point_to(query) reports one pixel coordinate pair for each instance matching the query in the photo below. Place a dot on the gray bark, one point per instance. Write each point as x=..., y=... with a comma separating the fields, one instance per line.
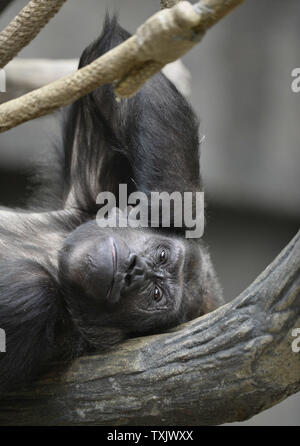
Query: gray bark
x=226, y=366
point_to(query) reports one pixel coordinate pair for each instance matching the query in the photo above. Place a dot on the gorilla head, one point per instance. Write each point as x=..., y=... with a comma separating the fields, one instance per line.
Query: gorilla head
x=132, y=280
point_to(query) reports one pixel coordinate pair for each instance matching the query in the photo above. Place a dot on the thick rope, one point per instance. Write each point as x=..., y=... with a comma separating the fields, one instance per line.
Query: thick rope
x=210, y=12
x=25, y=27
x=163, y=38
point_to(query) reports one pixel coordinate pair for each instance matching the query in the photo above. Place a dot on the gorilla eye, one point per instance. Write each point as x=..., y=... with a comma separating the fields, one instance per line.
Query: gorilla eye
x=157, y=294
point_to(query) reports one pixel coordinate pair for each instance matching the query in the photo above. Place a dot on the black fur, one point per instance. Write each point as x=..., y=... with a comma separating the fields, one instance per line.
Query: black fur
x=68, y=286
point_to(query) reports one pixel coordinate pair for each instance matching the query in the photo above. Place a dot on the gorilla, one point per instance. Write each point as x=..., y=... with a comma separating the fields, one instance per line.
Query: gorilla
x=69, y=286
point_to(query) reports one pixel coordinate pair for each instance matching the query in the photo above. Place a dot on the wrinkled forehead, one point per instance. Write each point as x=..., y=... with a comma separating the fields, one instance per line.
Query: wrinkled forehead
x=138, y=238
x=145, y=237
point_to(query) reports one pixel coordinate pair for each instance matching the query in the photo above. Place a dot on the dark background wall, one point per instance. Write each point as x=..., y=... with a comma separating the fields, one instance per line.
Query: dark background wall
x=241, y=89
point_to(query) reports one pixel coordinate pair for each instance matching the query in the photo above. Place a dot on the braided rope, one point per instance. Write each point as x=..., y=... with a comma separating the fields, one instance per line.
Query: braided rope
x=131, y=83
x=25, y=27
x=210, y=12
x=163, y=38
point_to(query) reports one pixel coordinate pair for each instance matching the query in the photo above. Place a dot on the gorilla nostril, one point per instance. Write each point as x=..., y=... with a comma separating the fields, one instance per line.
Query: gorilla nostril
x=128, y=280
x=135, y=271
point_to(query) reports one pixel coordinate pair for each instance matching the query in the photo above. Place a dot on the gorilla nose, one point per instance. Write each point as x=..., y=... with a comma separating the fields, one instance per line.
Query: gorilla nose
x=136, y=271
x=130, y=272
x=135, y=265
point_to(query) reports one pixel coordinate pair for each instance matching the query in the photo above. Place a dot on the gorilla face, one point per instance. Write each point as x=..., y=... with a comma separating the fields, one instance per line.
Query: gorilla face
x=133, y=279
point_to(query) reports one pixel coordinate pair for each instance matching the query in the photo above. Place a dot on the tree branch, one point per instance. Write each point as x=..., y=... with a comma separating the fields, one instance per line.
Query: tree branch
x=163, y=38
x=25, y=27
x=226, y=366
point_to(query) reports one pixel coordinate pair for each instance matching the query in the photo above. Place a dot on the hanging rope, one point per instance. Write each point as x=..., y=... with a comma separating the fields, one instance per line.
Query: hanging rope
x=163, y=38
x=25, y=27
x=210, y=12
